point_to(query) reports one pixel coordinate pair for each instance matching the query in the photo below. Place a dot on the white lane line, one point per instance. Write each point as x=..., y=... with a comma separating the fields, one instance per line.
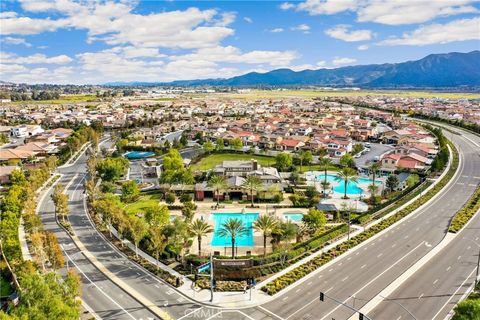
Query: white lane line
x=379, y=255
x=459, y=257
x=243, y=314
x=436, y=280
x=303, y=307
x=449, y=267
x=394, y=245
x=309, y=283
x=453, y=295
x=270, y=312
x=363, y=266
x=343, y=280
x=320, y=276
x=187, y=314
x=298, y=290
x=420, y=296
x=100, y=289
x=215, y=314
x=285, y=298
x=373, y=280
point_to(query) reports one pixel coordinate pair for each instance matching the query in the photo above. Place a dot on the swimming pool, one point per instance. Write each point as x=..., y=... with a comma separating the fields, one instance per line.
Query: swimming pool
x=292, y=216
x=138, y=154
x=245, y=240
x=352, y=187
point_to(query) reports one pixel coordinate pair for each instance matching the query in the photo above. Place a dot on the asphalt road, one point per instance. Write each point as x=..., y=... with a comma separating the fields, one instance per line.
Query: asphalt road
x=362, y=273
x=367, y=271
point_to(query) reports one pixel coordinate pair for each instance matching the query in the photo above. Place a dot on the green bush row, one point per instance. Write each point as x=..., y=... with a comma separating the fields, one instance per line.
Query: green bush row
x=466, y=213
x=310, y=266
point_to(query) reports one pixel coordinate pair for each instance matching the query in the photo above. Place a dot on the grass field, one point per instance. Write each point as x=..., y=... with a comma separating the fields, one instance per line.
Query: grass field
x=144, y=202
x=209, y=162
x=74, y=98
x=278, y=94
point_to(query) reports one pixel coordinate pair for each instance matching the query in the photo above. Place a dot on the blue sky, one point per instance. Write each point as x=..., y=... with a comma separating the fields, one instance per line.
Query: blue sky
x=70, y=41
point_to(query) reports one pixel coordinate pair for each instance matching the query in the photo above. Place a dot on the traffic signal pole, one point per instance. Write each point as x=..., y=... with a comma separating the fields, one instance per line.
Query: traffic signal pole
x=361, y=316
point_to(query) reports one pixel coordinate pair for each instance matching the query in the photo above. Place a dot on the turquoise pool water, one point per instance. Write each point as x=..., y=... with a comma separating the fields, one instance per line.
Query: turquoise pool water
x=245, y=240
x=352, y=187
x=293, y=217
x=138, y=154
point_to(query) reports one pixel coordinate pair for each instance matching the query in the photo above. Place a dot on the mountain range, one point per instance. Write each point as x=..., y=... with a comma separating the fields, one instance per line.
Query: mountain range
x=448, y=70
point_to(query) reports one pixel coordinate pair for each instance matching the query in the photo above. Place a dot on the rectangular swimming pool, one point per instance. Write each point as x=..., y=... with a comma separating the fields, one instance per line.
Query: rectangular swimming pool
x=245, y=240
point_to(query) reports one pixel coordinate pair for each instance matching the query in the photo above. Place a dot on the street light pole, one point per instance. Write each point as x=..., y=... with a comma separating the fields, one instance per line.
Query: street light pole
x=211, y=277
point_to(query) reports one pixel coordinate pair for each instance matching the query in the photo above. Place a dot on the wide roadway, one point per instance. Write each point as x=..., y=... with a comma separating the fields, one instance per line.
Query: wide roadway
x=361, y=274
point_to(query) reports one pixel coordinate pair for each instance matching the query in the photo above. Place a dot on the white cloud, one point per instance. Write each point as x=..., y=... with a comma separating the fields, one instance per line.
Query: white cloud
x=287, y=6
x=409, y=12
x=316, y=7
x=276, y=30
x=343, y=61
x=305, y=28
x=232, y=54
x=16, y=41
x=321, y=63
x=342, y=32
x=363, y=47
x=390, y=12
x=248, y=19
x=34, y=59
x=12, y=68
x=457, y=30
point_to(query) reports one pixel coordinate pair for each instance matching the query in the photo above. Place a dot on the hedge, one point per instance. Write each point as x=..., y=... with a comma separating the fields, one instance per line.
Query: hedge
x=308, y=267
x=466, y=212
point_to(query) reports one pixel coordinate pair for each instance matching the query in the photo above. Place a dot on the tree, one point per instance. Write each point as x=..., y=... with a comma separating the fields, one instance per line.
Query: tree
x=157, y=242
x=92, y=167
x=60, y=200
x=325, y=163
x=218, y=183
x=53, y=250
x=157, y=215
x=467, y=310
x=347, y=161
x=3, y=138
x=111, y=169
x=17, y=177
x=314, y=219
x=252, y=183
x=208, y=146
x=413, y=179
x=392, y=182
x=232, y=228
x=51, y=163
x=284, y=231
x=38, y=244
x=220, y=145
x=185, y=198
x=174, y=171
x=346, y=175
x=188, y=210
x=357, y=148
x=283, y=161
x=373, y=169
x=170, y=198
x=199, y=229
x=121, y=144
x=138, y=229
x=305, y=157
x=236, y=143
x=266, y=225
x=130, y=191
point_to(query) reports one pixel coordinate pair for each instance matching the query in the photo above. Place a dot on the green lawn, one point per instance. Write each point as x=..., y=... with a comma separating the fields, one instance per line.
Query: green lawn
x=209, y=162
x=144, y=202
x=73, y=98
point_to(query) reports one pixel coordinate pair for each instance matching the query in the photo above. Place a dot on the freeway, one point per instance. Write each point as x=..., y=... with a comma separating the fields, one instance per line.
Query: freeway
x=355, y=277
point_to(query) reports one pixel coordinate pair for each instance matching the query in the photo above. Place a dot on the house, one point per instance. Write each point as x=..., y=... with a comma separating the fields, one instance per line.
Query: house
x=290, y=145
x=5, y=172
x=26, y=130
x=15, y=155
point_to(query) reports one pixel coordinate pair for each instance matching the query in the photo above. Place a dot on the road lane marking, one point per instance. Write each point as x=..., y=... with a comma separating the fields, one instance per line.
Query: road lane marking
x=285, y=298
x=420, y=296
x=374, y=279
x=270, y=312
x=303, y=307
x=363, y=266
x=189, y=313
x=449, y=267
x=436, y=280
x=100, y=289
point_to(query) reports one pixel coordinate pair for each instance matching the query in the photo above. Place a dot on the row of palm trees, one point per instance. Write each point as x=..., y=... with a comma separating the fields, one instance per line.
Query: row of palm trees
x=219, y=183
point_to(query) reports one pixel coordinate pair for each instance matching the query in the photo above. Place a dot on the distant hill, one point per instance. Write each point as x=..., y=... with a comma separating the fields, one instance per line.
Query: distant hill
x=449, y=70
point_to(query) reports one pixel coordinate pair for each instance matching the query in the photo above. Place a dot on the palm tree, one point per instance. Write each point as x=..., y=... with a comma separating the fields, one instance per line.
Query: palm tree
x=373, y=169
x=266, y=225
x=325, y=163
x=252, y=183
x=346, y=175
x=200, y=228
x=217, y=183
x=158, y=242
x=232, y=228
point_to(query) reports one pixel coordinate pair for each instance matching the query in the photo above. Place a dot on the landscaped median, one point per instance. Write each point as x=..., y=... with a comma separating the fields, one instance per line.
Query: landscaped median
x=296, y=274
x=466, y=213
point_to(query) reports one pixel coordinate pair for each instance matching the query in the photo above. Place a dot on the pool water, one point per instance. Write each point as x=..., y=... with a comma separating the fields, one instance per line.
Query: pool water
x=296, y=217
x=245, y=240
x=352, y=187
x=139, y=154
